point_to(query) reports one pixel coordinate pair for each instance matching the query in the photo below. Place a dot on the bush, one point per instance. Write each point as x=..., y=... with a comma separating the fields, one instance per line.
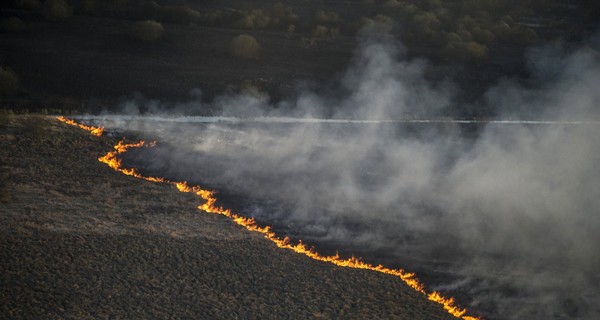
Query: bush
x=56, y=10
x=379, y=22
x=466, y=51
x=211, y=17
x=114, y=8
x=327, y=17
x=12, y=24
x=29, y=4
x=180, y=15
x=476, y=51
x=524, y=36
x=9, y=82
x=244, y=46
x=320, y=32
x=254, y=19
x=283, y=14
x=290, y=30
x=148, y=30
x=88, y=6
x=483, y=35
x=249, y=88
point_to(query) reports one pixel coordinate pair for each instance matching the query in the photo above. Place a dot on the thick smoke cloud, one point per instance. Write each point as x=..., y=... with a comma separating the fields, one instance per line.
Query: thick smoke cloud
x=509, y=214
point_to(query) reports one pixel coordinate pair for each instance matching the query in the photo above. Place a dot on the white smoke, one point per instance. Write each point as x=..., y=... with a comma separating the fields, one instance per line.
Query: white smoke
x=510, y=211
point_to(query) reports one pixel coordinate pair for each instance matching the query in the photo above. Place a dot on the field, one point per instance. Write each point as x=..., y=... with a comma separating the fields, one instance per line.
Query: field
x=82, y=241
x=89, y=61
x=456, y=139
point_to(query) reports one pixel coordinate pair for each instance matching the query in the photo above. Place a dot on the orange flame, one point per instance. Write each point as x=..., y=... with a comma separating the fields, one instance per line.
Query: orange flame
x=111, y=159
x=97, y=131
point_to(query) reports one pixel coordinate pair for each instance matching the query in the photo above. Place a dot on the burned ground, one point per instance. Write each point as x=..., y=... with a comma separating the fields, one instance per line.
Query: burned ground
x=79, y=240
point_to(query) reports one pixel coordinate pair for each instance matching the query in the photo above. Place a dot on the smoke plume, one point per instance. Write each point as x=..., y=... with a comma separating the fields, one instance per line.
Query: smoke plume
x=505, y=215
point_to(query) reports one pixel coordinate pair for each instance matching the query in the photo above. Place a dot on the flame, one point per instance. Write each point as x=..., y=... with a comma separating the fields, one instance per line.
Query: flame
x=111, y=159
x=97, y=131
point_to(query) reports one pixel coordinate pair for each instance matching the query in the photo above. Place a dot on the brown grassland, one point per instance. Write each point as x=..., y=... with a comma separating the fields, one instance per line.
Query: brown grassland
x=79, y=240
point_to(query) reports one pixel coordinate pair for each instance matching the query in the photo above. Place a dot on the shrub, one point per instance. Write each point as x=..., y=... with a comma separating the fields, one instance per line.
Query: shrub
x=483, y=35
x=278, y=10
x=327, y=17
x=248, y=87
x=453, y=37
x=180, y=14
x=290, y=30
x=12, y=24
x=392, y=4
x=407, y=10
x=211, y=17
x=56, y=10
x=464, y=34
x=29, y=4
x=114, y=8
x=379, y=22
x=9, y=82
x=282, y=15
x=476, y=51
x=244, y=46
x=88, y=6
x=148, y=30
x=466, y=51
x=320, y=32
x=524, y=36
x=254, y=19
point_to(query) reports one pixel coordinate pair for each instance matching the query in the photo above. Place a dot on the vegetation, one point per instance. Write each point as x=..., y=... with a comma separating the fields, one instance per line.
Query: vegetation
x=82, y=241
x=56, y=10
x=478, y=24
x=147, y=30
x=28, y=4
x=9, y=82
x=477, y=34
x=244, y=46
x=464, y=29
x=12, y=24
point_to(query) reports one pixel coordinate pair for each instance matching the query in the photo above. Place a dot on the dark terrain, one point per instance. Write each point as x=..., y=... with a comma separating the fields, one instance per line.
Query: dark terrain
x=79, y=240
x=88, y=62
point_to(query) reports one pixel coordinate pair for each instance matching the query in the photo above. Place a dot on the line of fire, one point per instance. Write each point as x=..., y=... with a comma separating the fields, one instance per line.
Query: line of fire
x=112, y=160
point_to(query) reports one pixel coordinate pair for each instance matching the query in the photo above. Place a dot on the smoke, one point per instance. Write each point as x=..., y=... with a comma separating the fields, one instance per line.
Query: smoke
x=504, y=215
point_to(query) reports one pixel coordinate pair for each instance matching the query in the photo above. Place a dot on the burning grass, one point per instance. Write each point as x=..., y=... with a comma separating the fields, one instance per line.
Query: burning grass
x=112, y=160
x=79, y=240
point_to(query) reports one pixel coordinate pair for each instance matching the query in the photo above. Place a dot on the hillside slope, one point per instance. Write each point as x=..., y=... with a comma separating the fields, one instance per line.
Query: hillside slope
x=79, y=240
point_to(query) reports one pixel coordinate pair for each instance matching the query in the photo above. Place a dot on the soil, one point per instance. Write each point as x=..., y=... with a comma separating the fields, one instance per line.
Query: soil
x=79, y=240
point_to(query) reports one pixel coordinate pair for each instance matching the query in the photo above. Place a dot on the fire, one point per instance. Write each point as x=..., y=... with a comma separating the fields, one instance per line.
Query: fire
x=449, y=305
x=97, y=131
x=111, y=159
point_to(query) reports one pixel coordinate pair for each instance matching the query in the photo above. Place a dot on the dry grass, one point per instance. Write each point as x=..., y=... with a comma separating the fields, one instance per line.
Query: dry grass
x=79, y=240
